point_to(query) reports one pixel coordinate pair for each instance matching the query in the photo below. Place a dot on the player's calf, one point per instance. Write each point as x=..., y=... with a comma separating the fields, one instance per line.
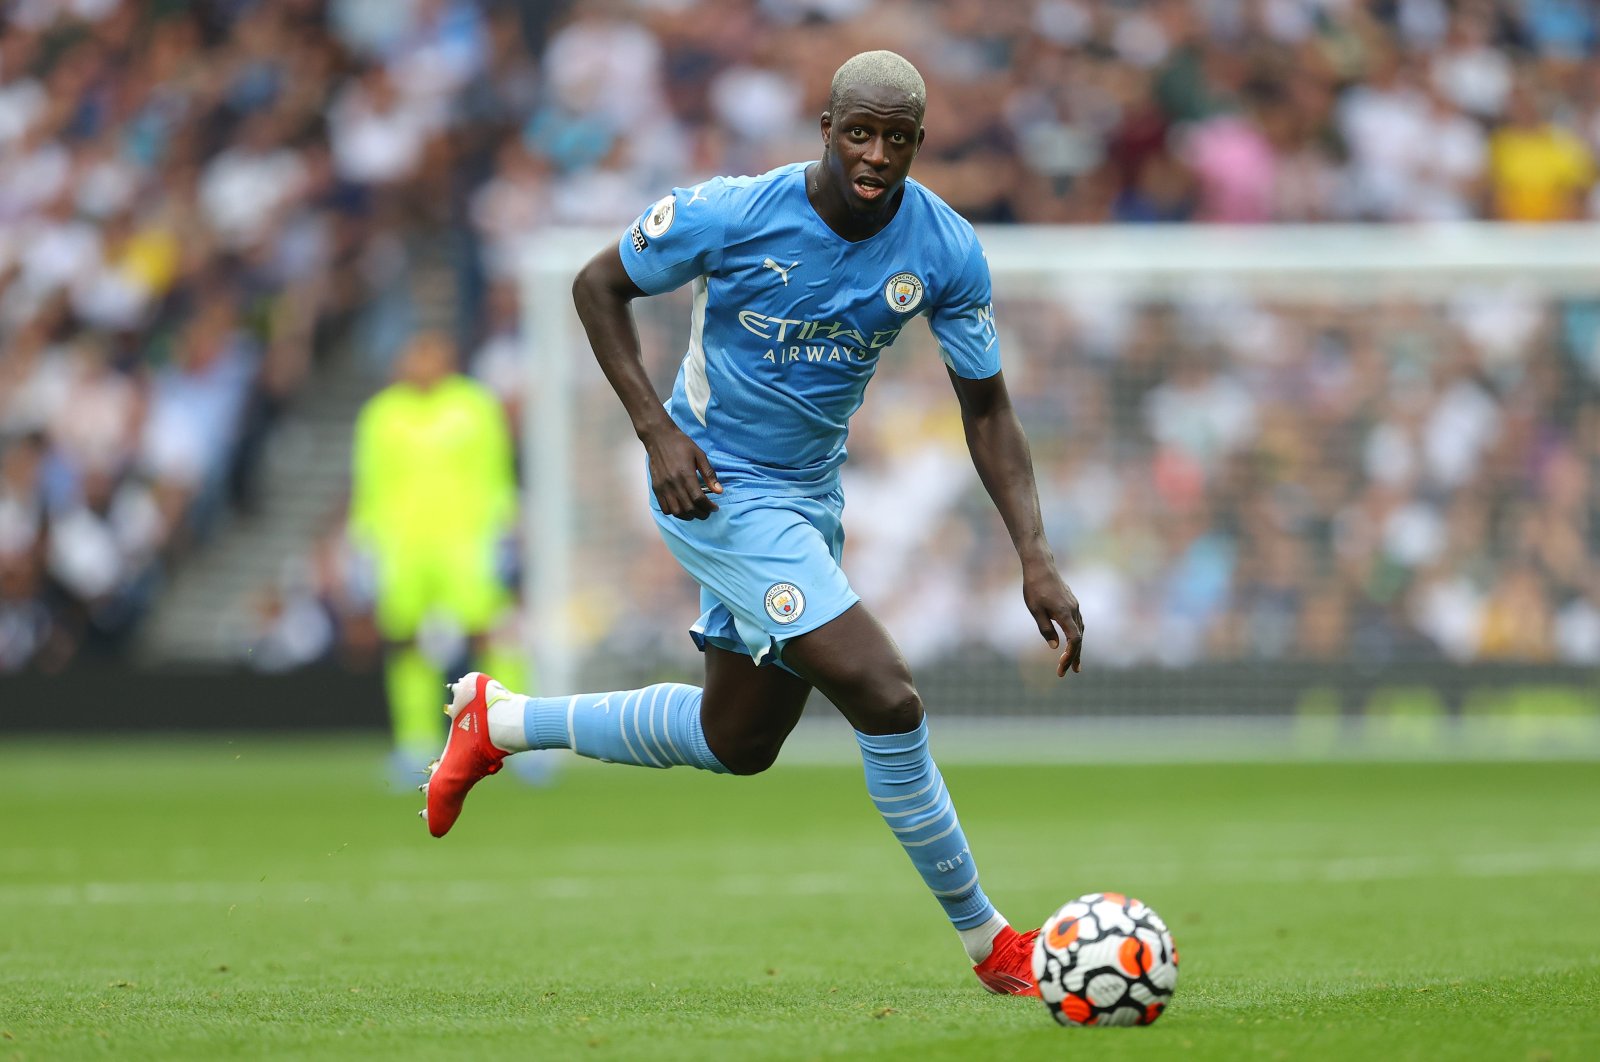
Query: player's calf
x=658, y=726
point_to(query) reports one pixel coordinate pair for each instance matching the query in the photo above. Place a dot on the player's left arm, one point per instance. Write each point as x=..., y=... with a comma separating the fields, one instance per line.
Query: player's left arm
x=962, y=319
x=1000, y=454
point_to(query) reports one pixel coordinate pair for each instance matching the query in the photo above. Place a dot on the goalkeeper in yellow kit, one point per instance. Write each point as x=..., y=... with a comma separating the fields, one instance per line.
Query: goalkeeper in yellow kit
x=428, y=441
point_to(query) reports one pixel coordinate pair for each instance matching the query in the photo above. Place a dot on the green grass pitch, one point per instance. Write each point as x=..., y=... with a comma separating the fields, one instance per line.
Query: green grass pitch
x=254, y=897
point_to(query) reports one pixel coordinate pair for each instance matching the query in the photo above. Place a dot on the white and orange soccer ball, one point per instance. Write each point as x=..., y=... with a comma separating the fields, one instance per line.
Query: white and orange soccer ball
x=1105, y=959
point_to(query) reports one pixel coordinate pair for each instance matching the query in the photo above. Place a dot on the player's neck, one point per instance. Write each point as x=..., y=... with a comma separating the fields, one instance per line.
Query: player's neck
x=829, y=203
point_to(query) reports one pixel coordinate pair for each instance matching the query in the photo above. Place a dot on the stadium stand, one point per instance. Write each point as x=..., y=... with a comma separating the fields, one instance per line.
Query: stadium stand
x=200, y=203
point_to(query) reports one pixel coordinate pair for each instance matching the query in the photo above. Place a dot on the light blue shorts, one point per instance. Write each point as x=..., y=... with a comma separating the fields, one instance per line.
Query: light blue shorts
x=768, y=569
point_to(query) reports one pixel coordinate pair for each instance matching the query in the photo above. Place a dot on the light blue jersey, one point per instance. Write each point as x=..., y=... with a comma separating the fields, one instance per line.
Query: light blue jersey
x=788, y=323
x=789, y=318
x=788, y=327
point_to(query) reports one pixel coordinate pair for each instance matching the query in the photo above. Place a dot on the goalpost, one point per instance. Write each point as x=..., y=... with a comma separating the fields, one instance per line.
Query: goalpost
x=1161, y=374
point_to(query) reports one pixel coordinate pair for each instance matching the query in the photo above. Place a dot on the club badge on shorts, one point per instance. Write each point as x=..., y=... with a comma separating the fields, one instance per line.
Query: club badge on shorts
x=903, y=292
x=785, y=602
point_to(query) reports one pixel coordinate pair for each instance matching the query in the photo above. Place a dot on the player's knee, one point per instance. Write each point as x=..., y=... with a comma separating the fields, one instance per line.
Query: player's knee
x=901, y=714
x=747, y=757
x=890, y=705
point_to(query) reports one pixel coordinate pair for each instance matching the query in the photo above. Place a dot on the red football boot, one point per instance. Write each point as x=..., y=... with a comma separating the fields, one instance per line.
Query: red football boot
x=468, y=756
x=1008, y=971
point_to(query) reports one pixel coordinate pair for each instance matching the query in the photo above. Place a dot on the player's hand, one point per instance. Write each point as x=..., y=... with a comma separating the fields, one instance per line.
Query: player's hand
x=1053, y=605
x=681, y=475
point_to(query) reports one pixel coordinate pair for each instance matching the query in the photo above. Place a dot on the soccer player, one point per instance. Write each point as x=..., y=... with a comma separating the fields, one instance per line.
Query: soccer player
x=801, y=277
x=431, y=436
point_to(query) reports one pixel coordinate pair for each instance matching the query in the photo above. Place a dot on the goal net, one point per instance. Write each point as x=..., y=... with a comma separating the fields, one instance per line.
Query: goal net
x=1306, y=473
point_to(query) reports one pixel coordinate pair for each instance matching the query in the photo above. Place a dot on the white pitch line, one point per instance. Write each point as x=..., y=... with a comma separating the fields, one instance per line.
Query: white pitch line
x=1507, y=864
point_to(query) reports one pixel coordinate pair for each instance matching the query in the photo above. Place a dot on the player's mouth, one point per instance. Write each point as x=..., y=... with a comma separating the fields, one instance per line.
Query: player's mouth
x=869, y=187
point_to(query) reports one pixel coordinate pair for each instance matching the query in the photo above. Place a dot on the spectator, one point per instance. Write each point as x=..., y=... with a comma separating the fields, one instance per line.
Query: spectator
x=195, y=200
x=378, y=134
x=1538, y=170
x=171, y=231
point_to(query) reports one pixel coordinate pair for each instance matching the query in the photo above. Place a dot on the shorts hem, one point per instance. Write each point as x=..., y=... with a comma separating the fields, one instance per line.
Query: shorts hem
x=806, y=628
x=772, y=652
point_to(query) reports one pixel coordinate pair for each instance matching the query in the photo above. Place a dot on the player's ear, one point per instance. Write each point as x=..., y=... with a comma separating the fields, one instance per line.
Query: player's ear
x=921, y=136
x=827, y=125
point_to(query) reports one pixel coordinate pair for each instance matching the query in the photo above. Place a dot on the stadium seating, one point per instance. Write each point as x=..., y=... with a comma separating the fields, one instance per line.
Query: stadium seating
x=198, y=202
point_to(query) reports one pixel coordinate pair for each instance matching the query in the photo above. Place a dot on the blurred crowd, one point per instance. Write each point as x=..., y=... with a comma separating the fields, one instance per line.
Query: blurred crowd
x=198, y=201
x=1224, y=478
x=1232, y=478
x=193, y=206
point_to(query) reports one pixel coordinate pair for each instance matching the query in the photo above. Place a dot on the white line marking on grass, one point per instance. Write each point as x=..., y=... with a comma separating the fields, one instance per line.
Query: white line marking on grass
x=1511, y=864
x=189, y=893
x=1347, y=870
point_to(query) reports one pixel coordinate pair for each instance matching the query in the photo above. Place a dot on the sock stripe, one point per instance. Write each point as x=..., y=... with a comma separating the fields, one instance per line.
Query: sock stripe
x=932, y=820
x=954, y=826
x=622, y=730
x=655, y=738
x=944, y=794
x=909, y=796
x=630, y=710
x=639, y=701
x=962, y=891
x=572, y=730
x=647, y=725
x=647, y=741
x=666, y=730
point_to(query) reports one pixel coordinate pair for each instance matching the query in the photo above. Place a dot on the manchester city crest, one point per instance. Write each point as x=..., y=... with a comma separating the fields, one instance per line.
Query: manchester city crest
x=903, y=292
x=785, y=602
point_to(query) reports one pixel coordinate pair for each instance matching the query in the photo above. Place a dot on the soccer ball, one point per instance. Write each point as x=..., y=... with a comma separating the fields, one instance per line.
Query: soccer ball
x=1105, y=959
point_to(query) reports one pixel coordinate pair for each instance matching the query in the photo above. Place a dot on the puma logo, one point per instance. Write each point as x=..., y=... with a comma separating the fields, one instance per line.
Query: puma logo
x=768, y=263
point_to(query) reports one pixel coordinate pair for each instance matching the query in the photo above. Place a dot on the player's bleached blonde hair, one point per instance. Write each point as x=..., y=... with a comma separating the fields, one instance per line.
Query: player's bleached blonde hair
x=879, y=69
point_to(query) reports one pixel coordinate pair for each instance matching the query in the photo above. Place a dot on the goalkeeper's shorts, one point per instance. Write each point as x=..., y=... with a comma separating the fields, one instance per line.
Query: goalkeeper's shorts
x=454, y=579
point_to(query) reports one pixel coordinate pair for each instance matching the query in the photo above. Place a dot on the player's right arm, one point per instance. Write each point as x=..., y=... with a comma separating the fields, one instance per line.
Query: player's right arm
x=680, y=473
x=680, y=237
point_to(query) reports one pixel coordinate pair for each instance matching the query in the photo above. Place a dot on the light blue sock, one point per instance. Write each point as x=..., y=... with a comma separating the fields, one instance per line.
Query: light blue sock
x=658, y=726
x=909, y=793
